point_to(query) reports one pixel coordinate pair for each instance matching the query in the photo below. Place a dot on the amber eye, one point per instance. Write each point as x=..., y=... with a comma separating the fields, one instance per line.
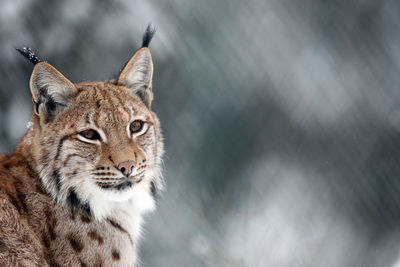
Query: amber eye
x=136, y=126
x=90, y=134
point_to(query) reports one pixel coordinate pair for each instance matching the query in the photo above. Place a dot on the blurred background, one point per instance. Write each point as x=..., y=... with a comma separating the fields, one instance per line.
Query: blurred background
x=281, y=120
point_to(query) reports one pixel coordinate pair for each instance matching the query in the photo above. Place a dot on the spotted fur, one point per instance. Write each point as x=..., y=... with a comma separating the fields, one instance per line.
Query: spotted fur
x=64, y=199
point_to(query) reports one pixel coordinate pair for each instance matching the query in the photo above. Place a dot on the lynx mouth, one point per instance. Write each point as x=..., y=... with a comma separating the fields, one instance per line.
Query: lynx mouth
x=124, y=185
x=120, y=184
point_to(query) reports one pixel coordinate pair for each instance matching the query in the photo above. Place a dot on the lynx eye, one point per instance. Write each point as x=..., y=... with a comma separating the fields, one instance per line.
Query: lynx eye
x=136, y=126
x=90, y=134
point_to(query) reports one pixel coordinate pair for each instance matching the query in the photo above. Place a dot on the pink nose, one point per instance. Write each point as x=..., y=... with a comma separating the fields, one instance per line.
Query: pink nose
x=126, y=167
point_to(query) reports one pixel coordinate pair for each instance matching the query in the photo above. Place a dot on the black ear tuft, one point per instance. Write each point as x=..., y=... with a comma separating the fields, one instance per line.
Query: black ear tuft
x=29, y=54
x=148, y=35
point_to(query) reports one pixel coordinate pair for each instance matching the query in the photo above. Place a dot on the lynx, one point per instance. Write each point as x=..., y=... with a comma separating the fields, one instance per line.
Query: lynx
x=88, y=168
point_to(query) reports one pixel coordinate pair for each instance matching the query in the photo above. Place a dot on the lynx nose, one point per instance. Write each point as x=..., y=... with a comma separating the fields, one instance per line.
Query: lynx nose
x=126, y=167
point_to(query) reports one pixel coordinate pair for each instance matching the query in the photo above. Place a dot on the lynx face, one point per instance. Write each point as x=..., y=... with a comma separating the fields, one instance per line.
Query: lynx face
x=97, y=145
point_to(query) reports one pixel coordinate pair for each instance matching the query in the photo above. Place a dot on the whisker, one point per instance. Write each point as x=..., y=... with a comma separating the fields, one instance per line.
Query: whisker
x=140, y=173
x=139, y=179
x=104, y=185
x=101, y=169
x=109, y=178
x=105, y=173
x=142, y=167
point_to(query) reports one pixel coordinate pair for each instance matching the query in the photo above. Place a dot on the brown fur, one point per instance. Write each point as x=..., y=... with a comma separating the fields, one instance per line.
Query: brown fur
x=48, y=213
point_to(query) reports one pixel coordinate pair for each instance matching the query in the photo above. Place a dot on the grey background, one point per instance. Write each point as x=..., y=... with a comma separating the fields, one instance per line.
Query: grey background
x=281, y=120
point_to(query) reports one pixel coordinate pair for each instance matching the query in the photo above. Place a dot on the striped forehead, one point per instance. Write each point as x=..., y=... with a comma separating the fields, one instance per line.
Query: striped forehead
x=111, y=106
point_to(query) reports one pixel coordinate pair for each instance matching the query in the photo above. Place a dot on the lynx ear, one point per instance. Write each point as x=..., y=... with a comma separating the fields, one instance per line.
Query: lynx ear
x=51, y=91
x=137, y=75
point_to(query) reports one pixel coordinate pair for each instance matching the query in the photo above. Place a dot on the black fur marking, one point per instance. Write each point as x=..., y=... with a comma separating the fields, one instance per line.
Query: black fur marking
x=3, y=246
x=52, y=222
x=88, y=118
x=153, y=189
x=148, y=35
x=29, y=54
x=115, y=255
x=116, y=225
x=86, y=210
x=37, y=105
x=76, y=204
x=95, y=236
x=50, y=104
x=16, y=203
x=75, y=243
x=85, y=219
x=46, y=240
x=40, y=188
x=73, y=199
x=60, y=144
x=119, y=227
x=20, y=195
x=57, y=178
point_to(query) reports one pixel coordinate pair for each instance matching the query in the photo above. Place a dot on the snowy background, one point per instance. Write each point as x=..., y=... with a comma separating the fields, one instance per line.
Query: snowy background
x=281, y=120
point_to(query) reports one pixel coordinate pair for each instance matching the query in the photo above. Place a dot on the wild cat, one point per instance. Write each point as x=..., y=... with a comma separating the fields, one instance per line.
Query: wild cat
x=88, y=168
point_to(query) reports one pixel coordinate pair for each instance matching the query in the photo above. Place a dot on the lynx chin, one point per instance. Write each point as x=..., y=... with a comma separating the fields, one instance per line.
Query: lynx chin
x=85, y=172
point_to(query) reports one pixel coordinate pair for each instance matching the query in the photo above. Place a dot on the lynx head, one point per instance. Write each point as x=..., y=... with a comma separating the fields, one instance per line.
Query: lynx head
x=97, y=145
